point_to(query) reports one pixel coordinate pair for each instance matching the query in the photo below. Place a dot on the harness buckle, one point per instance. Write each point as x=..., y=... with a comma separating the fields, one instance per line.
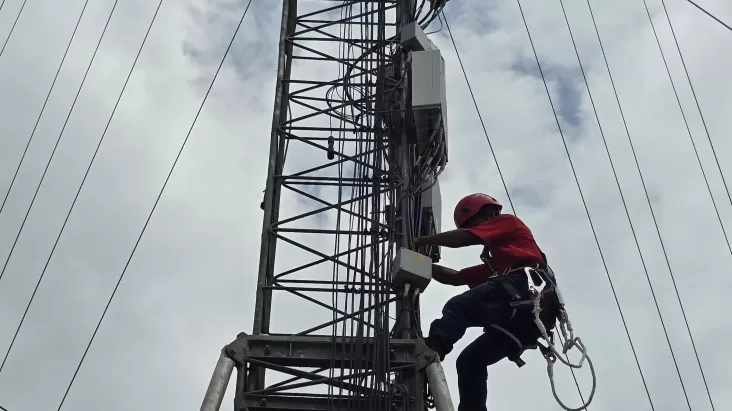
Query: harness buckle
x=535, y=289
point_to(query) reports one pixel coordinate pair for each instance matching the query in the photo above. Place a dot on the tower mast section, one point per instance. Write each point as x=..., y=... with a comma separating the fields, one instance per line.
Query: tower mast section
x=336, y=321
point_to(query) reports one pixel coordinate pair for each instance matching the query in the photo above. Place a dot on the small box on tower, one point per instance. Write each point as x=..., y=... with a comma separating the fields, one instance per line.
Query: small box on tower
x=411, y=268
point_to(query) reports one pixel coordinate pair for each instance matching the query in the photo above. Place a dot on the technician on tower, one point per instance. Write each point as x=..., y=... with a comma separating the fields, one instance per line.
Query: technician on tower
x=498, y=299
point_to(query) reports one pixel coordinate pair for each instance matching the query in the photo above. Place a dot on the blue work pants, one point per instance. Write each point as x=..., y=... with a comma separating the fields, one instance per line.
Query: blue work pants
x=483, y=306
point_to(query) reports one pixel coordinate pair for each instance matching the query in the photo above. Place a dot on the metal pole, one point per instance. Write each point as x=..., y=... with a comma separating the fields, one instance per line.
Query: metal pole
x=219, y=381
x=262, y=303
x=438, y=384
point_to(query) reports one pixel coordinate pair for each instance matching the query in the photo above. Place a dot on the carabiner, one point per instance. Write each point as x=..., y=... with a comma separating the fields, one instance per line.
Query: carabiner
x=535, y=289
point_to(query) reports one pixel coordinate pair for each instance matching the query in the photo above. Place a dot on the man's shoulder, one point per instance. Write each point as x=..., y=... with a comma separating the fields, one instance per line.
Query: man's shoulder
x=508, y=219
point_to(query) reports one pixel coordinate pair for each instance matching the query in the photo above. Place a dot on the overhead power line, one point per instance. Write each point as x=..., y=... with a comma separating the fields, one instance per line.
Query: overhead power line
x=622, y=196
x=58, y=237
x=696, y=100
x=711, y=15
x=688, y=128
x=38, y=120
x=683, y=312
x=480, y=117
x=617, y=98
x=58, y=140
x=157, y=200
x=584, y=202
x=12, y=29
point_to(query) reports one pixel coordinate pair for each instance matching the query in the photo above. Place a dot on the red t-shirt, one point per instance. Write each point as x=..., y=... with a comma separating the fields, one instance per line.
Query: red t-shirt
x=509, y=241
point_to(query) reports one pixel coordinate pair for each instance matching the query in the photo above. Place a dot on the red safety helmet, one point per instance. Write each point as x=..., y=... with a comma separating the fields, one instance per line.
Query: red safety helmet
x=470, y=206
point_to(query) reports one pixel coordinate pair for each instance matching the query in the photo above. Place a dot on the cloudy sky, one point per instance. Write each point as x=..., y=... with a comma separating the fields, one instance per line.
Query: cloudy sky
x=191, y=284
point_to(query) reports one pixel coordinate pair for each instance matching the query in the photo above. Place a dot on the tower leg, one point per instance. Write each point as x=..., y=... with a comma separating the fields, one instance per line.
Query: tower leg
x=438, y=384
x=219, y=381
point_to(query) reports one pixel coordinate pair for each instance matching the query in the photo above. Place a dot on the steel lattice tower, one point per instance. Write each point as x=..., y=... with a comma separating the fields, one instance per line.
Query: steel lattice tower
x=349, y=144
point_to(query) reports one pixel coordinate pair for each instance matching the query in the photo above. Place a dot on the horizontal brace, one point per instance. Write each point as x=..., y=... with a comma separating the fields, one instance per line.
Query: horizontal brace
x=367, y=180
x=323, y=83
x=344, y=290
x=326, y=99
x=339, y=60
x=344, y=139
x=356, y=77
x=324, y=231
x=341, y=207
x=345, y=41
x=322, y=255
x=316, y=111
x=344, y=4
x=324, y=305
x=307, y=375
x=348, y=283
x=339, y=39
x=335, y=184
x=324, y=380
x=355, y=17
x=304, y=128
x=372, y=307
x=331, y=352
x=341, y=160
x=357, y=23
x=332, y=258
x=328, y=57
x=353, y=77
x=293, y=379
x=354, y=158
x=309, y=403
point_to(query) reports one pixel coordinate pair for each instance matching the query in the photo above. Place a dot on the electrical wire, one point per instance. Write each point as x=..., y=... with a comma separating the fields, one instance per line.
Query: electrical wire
x=678, y=297
x=688, y=128
x=711, y=15
x=625, y=205
x=617, y=99
x=38, y=120
x=584, y=202
x=58, y=140
x=696, y=100
x=78, y=192
x=12, y=29
x=157, y=200
x=480, y=117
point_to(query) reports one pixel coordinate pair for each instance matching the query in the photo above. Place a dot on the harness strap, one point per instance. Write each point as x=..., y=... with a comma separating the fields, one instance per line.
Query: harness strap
x=516, y=296
x=518, y=300
x=522, y=347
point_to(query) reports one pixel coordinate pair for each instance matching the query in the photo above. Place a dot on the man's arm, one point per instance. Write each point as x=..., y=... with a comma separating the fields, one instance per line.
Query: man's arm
x=445, y=275
x=451, y=239
x=470, y=276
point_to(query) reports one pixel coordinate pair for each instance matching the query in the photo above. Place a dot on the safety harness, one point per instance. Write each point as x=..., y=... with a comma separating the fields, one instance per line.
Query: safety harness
x=550, y=353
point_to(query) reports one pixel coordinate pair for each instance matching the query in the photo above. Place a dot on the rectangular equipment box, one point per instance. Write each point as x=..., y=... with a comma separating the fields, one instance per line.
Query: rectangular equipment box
x=411, y=268
x=429, y=98
x=413, y=38
x=428, y=81
x=432, y=203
